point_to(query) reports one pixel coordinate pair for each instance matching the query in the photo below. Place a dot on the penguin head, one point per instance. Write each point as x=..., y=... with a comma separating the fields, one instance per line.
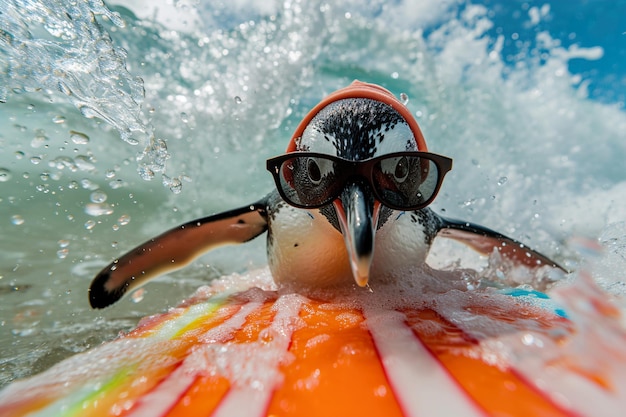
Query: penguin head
x=358, y=116
x=362, y=122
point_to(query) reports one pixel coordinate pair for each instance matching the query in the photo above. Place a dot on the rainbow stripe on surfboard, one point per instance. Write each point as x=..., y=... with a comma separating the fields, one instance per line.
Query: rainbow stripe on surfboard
x=238, y=350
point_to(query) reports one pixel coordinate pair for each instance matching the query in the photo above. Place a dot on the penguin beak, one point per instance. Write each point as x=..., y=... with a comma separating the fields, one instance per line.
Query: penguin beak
x=357, y=212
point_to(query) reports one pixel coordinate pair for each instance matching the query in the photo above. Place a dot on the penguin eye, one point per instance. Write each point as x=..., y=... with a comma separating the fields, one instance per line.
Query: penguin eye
x=319, y=170
x=313, y=170
x=402, y=169
x=399, y=167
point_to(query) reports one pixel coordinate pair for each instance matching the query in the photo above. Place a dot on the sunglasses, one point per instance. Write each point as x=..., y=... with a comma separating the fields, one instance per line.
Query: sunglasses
x=401, y=181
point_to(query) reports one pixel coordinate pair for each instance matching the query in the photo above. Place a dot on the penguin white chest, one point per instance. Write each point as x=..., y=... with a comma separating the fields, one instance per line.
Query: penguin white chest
x=402, y=242
x=304, y=248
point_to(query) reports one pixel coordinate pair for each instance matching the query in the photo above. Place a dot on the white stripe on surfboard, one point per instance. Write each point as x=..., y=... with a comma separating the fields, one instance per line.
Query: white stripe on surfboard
x=251, y=398
x=160, y=400
x=421, y=384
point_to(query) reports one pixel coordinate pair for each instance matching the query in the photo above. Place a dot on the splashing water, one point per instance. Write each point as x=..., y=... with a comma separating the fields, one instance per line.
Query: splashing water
x=51, y=47
x=206, y=93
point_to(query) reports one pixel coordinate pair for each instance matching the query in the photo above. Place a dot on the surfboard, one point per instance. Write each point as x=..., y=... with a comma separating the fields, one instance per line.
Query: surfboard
x=426, y=346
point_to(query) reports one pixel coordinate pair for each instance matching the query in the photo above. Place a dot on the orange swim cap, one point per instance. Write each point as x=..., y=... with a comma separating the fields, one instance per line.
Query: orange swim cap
x=360, y=89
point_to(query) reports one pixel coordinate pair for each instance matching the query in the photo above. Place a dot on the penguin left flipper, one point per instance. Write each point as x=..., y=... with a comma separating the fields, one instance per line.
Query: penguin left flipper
x=174, y=249
x=485, y=240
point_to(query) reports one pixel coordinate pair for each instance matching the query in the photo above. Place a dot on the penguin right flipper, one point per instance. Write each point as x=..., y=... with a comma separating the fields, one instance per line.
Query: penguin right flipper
x=485, y=240
x=174, y=249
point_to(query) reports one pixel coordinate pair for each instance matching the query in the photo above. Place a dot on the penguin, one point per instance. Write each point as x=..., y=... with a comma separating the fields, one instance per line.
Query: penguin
x=351, y=204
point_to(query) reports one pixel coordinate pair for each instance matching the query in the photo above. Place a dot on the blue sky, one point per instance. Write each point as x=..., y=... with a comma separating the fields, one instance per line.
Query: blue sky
x=587, y=23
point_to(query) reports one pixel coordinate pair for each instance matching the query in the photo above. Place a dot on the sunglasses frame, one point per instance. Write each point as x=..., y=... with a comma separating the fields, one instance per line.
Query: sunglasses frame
x=364, y=169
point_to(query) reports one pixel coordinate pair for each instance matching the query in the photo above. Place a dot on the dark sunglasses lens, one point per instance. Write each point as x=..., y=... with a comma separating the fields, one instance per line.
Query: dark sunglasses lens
x=406, y=181
x=309, y=181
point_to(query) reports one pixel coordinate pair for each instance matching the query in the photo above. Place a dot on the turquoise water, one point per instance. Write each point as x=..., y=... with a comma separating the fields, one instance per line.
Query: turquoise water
x=119, y=122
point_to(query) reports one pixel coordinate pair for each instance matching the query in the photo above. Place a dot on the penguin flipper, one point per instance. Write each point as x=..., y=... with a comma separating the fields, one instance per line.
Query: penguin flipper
x=485, y=240
x=174, y=249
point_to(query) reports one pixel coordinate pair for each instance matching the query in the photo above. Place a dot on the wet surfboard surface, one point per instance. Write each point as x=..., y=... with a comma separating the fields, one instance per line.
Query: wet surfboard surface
x=241, y=347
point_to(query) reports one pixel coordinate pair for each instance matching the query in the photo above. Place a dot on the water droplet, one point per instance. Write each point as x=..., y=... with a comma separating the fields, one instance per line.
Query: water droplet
x=109, y=174
x=63, y=162
x=176, y=187
x=62, y=253
x=124, y=219
x=84, y=163
x=145, y=173
x=90, y=224
x=175, y=184
x=79, y=138
x=404, y=98
x=184, y=117
x=5, y=175
x=238, y=100
x=502, y=180
x=58, y=119
x=35, y=160
x=39, y=140
x=530, y=340
x=73, y=185
x=63, y=243
x=19, y=155
x=266, y=335
x=395, y=75
x=17, y=220
x=115, y=184
x=98, y=209
x=137, y=296
x=88, y=184
x=98, y=197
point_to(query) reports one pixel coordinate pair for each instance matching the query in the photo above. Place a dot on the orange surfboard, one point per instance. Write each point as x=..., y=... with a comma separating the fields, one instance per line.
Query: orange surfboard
x=426, y=347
